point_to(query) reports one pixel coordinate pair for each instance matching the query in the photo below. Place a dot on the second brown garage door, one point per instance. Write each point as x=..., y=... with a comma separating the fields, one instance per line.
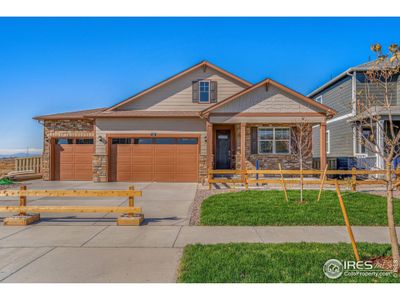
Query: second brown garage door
x=154, y=159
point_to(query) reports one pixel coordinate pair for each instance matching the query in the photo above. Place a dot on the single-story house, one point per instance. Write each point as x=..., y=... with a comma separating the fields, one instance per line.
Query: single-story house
x=204, y=117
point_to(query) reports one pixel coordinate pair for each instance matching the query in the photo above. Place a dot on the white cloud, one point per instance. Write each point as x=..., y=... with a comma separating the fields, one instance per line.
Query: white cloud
x=22, y=150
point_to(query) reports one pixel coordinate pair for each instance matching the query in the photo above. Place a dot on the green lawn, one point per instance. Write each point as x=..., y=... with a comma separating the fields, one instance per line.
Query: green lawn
x=271, y=208
x=258, y=263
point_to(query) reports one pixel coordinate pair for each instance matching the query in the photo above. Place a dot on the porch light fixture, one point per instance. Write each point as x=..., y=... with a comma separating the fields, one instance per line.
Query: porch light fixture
x=101, y=139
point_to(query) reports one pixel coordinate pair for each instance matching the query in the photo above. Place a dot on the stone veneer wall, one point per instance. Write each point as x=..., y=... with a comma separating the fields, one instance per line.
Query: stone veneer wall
x=271, y=161
x=62, y=129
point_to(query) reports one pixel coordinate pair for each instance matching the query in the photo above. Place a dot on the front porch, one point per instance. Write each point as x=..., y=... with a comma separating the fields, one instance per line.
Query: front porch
x=248, y=146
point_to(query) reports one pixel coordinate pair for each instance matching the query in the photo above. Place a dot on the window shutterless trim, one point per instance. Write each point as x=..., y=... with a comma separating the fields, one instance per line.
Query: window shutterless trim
x=289, y=140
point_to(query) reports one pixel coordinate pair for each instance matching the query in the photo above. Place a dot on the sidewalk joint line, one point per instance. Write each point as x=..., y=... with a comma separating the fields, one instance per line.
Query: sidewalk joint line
x=176, y=238
x=27, y=264
x=96, y=234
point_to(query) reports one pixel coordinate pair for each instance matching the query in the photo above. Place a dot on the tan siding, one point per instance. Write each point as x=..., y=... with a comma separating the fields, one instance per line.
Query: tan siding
x=265, y=119
x=177, y=95
x=272, y=101
x=149, y=125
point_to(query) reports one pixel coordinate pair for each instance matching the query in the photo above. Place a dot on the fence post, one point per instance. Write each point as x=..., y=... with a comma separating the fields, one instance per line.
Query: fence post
x=22, y=200
x=131, y=199
x=246, y=180
x=353, y=180
x=397, y=177
x=209, y=179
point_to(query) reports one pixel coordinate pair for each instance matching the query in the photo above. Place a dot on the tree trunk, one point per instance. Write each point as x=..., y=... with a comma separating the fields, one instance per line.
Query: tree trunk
x=301, y=181
x=390, y=216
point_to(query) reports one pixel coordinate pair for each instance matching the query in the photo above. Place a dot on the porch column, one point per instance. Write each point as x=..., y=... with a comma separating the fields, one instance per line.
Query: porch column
x=210, y=154
x=322, y=145
x=243, y=146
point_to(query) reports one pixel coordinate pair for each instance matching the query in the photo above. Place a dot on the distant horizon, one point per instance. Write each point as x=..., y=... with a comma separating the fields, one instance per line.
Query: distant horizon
x=14, y=151
x=55, y=65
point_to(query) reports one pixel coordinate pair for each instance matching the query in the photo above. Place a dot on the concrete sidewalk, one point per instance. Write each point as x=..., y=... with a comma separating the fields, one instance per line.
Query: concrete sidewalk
x=136, y=254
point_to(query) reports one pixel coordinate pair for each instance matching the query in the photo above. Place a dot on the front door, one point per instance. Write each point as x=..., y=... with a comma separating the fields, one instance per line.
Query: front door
x=223, y=149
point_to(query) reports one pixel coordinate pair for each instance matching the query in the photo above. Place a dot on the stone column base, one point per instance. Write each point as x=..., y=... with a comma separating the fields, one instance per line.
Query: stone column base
x=100, y=168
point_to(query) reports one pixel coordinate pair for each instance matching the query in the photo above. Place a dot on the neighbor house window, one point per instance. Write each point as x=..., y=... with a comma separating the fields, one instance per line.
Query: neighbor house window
x=204, y=91
x=273, y=140
x=366, y=135
x=319, y=99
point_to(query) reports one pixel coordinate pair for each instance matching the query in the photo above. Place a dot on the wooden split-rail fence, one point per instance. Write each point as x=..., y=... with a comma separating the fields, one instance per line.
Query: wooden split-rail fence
x=23, y=208
x=316, y=177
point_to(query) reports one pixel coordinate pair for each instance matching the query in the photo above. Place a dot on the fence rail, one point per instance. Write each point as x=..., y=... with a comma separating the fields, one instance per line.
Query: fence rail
x=22, y=209
x=33, y=163
x=246, y=177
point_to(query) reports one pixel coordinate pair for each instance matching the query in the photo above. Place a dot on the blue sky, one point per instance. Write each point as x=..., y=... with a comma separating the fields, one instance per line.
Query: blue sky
x=50, y=65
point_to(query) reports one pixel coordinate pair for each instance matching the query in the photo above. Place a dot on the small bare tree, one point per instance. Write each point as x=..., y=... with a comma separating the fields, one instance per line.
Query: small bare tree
x=302, y=148
x=375, y=126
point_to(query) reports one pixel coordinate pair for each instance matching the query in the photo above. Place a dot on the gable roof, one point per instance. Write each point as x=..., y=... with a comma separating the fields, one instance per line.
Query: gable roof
x=170, y=79
x=359, y=68
x=329, y=111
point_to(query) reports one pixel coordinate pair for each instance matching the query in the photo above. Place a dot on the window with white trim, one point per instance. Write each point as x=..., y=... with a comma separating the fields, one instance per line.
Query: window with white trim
x=328, y=141
x=319, y=99
x=204, y=91
x=361, y=140
x=273, y=140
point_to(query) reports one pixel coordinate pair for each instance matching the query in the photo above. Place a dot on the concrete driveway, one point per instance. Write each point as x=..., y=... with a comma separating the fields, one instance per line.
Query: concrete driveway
x=90, y=247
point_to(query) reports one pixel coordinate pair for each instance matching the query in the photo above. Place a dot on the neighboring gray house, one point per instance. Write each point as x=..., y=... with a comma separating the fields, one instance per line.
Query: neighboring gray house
x=343, y=147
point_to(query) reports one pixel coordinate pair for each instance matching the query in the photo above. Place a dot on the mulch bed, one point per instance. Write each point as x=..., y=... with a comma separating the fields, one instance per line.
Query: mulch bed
x=383, y=262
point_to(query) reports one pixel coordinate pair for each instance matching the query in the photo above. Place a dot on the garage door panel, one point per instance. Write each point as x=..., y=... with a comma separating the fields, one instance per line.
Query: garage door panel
x=141, y=177
x=164, y=177
x=187, y=149
x=83, y=159
x=164, y=168
x=83, y=149
x=124, y=168
x=142, y=149
x=142, y=168
x=124, y=149
x=142, y=160
x=67, y=175
x=122, y=176
x=186, y=168
x=66, y=158
x=155, y=162
x=185, y=177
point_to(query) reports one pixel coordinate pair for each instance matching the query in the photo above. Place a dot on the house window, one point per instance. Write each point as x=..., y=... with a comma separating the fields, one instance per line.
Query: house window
x=366, y=135
x=328, y=141
x=319, y=99
x=273, y=140
x=204, y=91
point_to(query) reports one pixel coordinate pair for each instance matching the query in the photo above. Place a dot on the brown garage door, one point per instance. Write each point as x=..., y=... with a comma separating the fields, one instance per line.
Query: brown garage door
x=73, y=159
x=154, y=159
